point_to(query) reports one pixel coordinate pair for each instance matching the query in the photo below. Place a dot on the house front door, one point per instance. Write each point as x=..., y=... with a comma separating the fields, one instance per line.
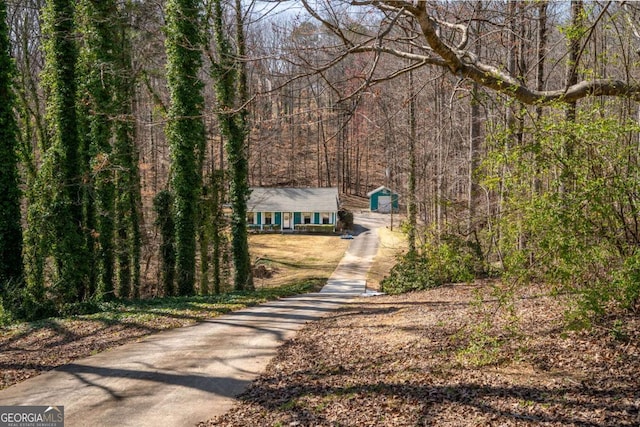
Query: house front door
x=286, y=220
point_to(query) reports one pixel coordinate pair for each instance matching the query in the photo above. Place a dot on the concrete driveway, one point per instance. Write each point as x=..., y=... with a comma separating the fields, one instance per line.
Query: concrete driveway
x=183, y=376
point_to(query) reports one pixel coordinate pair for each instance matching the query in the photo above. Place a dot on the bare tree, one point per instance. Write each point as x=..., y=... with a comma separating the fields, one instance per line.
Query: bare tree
x=445, y=44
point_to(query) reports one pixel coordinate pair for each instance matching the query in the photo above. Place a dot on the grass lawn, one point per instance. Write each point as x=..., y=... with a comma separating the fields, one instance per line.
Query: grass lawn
x=290, y=258
x=391, y=243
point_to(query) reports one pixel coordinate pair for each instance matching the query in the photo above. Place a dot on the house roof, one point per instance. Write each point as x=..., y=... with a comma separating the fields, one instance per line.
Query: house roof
x=293, y=200
x=377, y=190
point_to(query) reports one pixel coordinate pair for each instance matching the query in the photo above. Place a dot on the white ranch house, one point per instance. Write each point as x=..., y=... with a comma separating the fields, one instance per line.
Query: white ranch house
x=291, y=209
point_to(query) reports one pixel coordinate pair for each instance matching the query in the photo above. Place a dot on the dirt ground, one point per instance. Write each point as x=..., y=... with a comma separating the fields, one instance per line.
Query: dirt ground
x=441, y=358
x=437, y=357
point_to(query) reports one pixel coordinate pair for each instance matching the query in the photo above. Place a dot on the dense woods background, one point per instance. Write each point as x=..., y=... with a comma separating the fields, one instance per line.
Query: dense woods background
x=510, y=129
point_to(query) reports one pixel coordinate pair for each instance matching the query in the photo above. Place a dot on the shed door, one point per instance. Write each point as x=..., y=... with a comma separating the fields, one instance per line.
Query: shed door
x=384, y=204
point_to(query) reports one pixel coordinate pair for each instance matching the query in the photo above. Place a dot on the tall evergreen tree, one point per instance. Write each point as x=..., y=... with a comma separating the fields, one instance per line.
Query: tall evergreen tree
x=10, y=229
x=185, y=130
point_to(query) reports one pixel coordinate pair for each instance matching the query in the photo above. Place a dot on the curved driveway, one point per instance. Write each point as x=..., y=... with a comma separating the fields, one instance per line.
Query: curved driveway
x=183, y=376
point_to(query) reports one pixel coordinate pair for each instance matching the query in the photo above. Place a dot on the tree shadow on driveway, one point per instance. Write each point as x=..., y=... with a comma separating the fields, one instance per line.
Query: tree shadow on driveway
x=228, y=387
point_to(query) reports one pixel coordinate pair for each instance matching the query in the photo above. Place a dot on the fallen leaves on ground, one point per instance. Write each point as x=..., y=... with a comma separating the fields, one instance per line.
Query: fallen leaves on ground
x=453, y=356
x=30, y=349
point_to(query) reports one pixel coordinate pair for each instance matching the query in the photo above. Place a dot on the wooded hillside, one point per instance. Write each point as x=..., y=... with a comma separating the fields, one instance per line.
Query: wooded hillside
x=510, y=129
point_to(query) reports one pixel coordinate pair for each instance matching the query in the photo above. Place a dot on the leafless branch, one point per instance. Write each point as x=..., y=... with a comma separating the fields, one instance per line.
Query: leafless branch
x=467, y=65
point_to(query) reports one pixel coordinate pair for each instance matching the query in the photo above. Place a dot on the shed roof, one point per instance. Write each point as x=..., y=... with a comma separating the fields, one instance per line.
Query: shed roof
x=377, y=190
x=293, y=200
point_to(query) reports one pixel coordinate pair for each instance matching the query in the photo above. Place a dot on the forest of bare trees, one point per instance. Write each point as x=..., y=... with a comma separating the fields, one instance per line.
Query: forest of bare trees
x=510, y=129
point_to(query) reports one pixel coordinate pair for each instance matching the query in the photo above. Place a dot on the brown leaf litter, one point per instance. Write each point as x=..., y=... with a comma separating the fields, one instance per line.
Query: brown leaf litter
x=439, y=357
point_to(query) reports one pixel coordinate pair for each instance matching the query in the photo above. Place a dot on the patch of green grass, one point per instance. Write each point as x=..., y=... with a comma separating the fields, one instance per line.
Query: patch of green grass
x=182, y=309
x=289, y=405
x=205, y=306
x=321, y=407
x=482, y=350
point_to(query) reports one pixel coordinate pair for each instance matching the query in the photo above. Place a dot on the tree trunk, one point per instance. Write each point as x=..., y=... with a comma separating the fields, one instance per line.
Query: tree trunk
x=411, y=186
x=10, y=228
x=56, y=218
x=99, y=66
x=185, y=130
x=541, y=54
x=475, y=139
x=231, y=93
x=571, y=77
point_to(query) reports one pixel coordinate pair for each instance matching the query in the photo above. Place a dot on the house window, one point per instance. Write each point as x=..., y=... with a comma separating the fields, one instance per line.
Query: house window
x=306, y=217
x=251, y=218
x=326, y=218
x=268, y=217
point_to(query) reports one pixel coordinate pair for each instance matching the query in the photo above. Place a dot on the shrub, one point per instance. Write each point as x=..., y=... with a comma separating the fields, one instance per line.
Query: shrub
x=577, y=230
x=452, y=260
x=315, y=228
x=20, y=304
x=5, y=315
x=599, y=298
x=411, y=273
x=627, y=283
x=345, y=219
x=271, y=227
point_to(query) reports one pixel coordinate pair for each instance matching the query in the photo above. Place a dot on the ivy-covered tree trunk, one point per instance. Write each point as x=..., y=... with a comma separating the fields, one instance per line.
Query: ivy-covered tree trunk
x=231, y=92
x=164, y=221
x=10, y=229
x=98, y=67
x=127, y=207
x=128, y=236
x=88, y=198
x=55, y=229
x=185, y=130
x=205, y=218
x=217, y=227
